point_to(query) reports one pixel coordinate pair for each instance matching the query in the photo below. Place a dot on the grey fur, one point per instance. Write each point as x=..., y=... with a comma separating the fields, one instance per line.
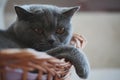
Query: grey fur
x=47, y=18
x=75, y=56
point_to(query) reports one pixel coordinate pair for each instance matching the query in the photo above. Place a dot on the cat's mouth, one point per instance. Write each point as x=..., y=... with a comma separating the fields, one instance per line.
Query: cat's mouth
x=43, y=47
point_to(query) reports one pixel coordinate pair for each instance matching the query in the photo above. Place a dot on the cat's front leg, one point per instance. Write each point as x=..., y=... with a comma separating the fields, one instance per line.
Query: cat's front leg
x=76, y=56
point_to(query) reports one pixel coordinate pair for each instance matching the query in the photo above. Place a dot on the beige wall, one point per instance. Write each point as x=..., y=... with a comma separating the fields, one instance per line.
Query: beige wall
x=102, y=31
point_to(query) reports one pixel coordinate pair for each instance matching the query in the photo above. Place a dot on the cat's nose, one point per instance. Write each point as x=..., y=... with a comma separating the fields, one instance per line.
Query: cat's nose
x=51, y=41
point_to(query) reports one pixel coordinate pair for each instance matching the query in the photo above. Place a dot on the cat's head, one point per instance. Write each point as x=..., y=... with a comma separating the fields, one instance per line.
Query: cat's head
x=43, y=27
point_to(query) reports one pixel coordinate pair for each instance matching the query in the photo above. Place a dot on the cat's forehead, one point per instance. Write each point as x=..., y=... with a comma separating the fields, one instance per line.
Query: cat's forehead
x=25, y=12
x=42, y=8
x=43, y=14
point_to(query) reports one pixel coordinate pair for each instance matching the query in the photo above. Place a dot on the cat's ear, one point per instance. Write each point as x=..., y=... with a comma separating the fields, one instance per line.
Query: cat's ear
x=22, y=13
x=69, y=12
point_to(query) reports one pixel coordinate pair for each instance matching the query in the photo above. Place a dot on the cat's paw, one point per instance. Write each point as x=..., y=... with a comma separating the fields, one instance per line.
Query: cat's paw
x=74, y=55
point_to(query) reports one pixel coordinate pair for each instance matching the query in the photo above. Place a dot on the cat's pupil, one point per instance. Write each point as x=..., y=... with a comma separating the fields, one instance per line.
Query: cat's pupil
x=60, y=30
x=38, y=30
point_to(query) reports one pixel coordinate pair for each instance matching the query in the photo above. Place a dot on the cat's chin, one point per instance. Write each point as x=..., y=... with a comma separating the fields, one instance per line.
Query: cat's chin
x=45, y=48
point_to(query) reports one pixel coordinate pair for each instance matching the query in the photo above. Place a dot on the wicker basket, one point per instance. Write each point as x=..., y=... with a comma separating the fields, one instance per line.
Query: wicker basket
x=17, y=64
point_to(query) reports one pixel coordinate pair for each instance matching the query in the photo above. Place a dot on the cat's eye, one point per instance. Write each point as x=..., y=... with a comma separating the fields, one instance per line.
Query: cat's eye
x=60, y=30
x=38, y=30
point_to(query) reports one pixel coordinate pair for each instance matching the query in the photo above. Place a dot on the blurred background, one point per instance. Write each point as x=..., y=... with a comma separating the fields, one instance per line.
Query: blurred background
x=97, y=20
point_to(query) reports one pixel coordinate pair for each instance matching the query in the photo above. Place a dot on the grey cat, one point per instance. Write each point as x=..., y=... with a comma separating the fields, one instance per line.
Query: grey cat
x=45, y=28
